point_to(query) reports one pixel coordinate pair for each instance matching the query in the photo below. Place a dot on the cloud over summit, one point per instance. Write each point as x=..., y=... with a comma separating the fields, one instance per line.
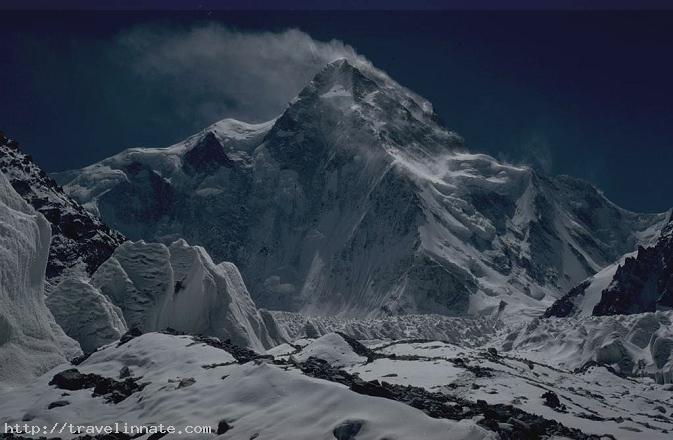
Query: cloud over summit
x=209, y=72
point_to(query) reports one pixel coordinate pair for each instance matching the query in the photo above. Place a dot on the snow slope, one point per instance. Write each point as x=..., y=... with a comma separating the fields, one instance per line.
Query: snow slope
x=191, y=383
x=357, y=202
x=30, y=340
x=595, y=400
x=180, y=287
x=333, y=349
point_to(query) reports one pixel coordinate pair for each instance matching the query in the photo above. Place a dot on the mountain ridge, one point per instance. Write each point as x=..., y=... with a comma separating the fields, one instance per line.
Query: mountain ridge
x=78, y=237
x=356, y=201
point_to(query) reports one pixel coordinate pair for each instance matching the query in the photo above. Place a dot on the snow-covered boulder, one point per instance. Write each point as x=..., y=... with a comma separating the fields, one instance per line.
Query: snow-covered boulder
x=30, y=340
x=332, y=348
x=85, y=314
x=179, y=286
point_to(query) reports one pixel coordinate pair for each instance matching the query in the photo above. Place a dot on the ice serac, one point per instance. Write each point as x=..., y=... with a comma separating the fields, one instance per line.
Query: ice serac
x=80, y=241
x=180, y=287
x=85, y=314
x=357, y=202
x=634, y=345
x=641, y=281
x=30, y=340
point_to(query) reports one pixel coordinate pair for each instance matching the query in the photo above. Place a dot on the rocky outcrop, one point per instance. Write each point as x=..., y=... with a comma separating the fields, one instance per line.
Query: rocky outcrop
x=644, y=283
x=641, y=281
x=79, y=239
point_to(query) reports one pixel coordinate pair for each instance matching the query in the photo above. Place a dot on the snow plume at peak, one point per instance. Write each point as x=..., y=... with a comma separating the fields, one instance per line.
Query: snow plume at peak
x=225, y=72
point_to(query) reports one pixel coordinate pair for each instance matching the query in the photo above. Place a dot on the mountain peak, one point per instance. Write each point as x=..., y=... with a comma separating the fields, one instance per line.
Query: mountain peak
x=339, y=78
x=207, y=155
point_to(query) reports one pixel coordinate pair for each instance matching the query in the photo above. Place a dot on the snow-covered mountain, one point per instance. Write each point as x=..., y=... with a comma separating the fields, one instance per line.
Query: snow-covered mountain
x=640, y=281
x=30, y=340
x=80, y=241
x=356, y=201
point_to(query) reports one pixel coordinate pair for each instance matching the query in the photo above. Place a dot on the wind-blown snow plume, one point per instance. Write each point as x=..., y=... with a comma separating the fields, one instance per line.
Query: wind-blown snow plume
x=250, y=76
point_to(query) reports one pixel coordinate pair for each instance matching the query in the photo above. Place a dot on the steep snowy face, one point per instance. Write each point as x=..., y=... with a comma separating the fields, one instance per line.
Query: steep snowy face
x=30, y=341
x=78, y=237
x=640, y=281
x=644, y=283
x=357, y=202
x=178, y=286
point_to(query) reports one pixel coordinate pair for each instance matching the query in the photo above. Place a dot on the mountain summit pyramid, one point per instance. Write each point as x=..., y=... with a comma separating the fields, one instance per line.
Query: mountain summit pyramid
x=356, y=202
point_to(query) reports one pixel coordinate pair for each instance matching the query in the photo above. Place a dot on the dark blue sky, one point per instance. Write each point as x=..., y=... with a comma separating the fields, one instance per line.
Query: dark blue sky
x=583, y=93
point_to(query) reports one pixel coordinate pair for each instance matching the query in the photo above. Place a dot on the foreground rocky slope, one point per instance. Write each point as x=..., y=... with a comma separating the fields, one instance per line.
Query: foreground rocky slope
x=185, y=381
x=79, y=239
x=30, y=340
x=336, y=388
x=357, y=202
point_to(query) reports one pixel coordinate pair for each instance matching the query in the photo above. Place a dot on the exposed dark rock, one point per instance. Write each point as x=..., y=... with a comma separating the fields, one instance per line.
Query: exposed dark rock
x=129, y=335
x=347, y=430
x=644, y=282
x=78, y=236
x=124, y=372
x=358, y=348
x=58, y=404
x=113, y=391
x=206, y=156
x=551, y=400
x=186, y=382
x=565, y=306
x=222, y=427
x=641, y=284
x=242, y=355
x=79, y=359
x=508, y=421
